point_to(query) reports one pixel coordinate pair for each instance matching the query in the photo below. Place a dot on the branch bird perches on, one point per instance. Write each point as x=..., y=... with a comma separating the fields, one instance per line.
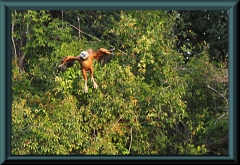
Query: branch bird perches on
x=85, y=59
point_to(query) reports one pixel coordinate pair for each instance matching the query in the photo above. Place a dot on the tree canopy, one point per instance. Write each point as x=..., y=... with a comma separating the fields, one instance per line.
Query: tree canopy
x=164, y=93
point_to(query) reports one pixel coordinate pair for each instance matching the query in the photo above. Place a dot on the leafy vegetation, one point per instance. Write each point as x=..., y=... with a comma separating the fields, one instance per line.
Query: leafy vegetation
x=150, y=100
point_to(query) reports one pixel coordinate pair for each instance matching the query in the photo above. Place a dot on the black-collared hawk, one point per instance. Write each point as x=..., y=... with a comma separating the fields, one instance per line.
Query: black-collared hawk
x=85, y=59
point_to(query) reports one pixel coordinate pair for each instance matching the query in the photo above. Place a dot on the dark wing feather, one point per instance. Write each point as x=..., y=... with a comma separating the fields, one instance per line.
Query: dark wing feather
x=68, y=61
x=103, y=56
x=70, y=64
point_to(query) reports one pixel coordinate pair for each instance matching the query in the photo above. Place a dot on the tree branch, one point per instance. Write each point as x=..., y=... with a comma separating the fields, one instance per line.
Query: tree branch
x=119, y=119
x=129, y=148
x=218, y=93
x=216, y=144
x=13, y=42
x=225, y=100
x=220, y=117
x=93, y=37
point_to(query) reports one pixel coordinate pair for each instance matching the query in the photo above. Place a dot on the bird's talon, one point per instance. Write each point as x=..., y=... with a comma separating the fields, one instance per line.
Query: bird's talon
x=85, y=90
x=95, y=86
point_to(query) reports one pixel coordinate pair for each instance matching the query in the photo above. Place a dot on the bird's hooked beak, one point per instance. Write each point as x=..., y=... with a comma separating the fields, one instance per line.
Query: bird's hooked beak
x=111, y=51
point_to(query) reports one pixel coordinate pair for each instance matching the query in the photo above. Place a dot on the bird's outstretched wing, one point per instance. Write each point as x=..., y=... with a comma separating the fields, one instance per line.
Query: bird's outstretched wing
x=67, y=58
x=103, y=55
x=66, y=62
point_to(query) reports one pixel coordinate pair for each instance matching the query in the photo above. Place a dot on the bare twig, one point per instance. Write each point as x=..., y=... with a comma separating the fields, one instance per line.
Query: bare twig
x=219, y=142
x=186, y=128
x=187, y=137
x=129, y=148
x=225, y=100
x=218, y=93
x=13, y=42
x=119, y=118
x=83, y=32
x=79, y=32
x=220, y=117
x=93, y=36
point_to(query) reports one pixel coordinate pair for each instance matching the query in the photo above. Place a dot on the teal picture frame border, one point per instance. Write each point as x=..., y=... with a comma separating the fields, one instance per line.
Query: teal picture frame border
x=5, y=68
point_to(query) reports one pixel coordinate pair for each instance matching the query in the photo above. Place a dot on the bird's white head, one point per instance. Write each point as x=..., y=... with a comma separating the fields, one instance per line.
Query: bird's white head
x=84, y=55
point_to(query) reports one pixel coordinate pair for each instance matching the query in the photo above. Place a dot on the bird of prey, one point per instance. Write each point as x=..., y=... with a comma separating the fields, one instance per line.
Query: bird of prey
x=85, y=59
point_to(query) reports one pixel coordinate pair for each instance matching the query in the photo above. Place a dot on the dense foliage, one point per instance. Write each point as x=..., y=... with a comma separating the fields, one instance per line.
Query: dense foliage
x=150, y=100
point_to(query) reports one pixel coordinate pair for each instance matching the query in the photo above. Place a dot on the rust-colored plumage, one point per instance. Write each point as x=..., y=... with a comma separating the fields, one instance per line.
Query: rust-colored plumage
x=85, y=60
